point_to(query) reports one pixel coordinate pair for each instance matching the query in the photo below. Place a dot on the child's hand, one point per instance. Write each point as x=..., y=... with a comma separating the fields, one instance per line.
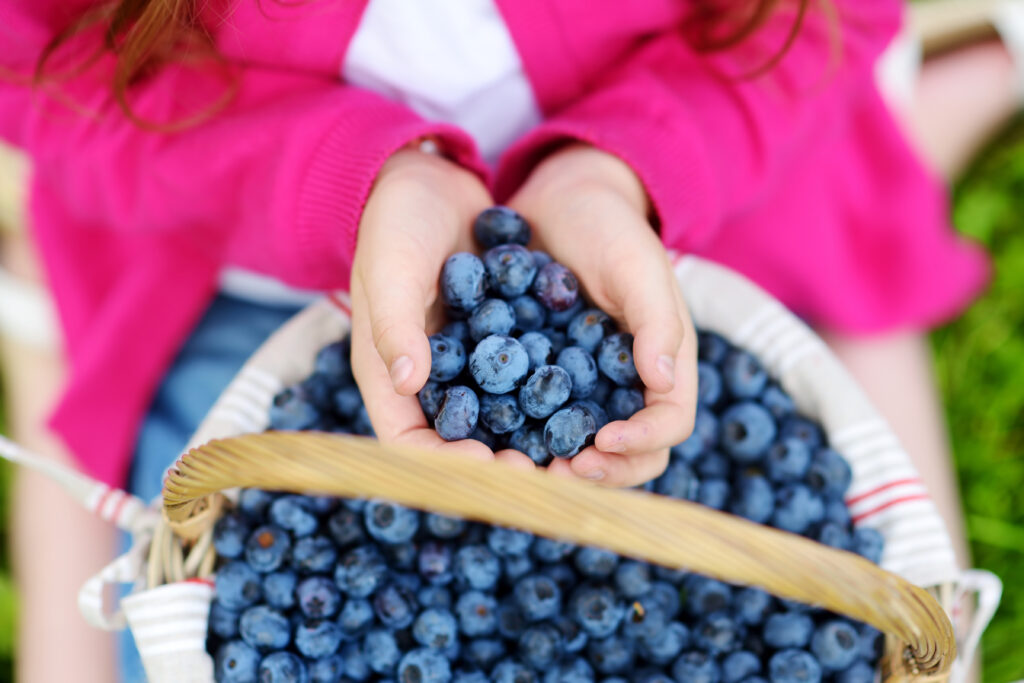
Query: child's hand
x=418, y=214
x=589, y=210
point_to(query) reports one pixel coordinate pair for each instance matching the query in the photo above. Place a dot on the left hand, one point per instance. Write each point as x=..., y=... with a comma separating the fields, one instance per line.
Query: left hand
x=589, y=211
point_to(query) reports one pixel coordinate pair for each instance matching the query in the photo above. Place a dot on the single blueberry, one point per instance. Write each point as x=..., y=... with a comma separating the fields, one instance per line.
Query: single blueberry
x=293, y=409
x=546, y=390
x=556, y=337
x=624, y=403
x=859, y=672
x=442, y=526
x=329, y=669
x=712, y=348
x=333, y=360
x=488, y=438
x=868, y=543
x=381, y=651
x=829, y=473
x=498, y=364
x=744, y=376
x=696, y=667
x=463, y=282
x=556, y=287
x=354, y=663
x=739, y=665
x=797, y=508
x=295, y=514
x=483, y=653
x=678, y=481
x=570, y=671
x=477, y=567
x=794, y=666
x=588, y=328
x=596, y=610
x=540, y=646
x=747, y=429
x=538, y=349
x=229, y=535
x=871, y=642
x=512, y=671
x=457, y=329
x=514, y=567
x=394, y=606
x=501, y=413
x=559, y=320
x=709, y=384
x=500, y=225
x=457, y=417
x=713, y=465
x=582, y=369
x=705, y=595
x=360, y=571
x=595, y=411
x=837, y=512
x=237, y=585
x=477, y=613
x=265, y=628
x=777, y=401
x=835, y=644
x=312, y=554
x=346, y=402
x=530, y=440
x=714, y=493
x=435, y=628
x=645, y=618
x=575, y=637
x=612, y=655
x=803, y=429
x=447, y=357
x=511, y=622
x=751, y=605
x=665, y=645
x=510, y=270
x=718, y=634
x=315, y=638
x=267, y=548
x=834, y=536
x=550, y=550
x=633, y=578
x=568, y=431
x=345, y=528
x=389, y=522
x=788, y=629
x=356, y=617
x=492, y=317
x=615, y=359
x=223, y=621
x=424, y=665
x=666, y=596
x=530, y=314
x=787, y=460
x=318, y=597
x=254, y=503
x=435, y=562
x=753, y=498
x=504, y=541
x=236, y=662
x=538, y=597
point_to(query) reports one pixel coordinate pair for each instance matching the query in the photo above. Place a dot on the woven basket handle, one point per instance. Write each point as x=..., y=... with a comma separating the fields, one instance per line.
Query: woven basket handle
x=635, y=524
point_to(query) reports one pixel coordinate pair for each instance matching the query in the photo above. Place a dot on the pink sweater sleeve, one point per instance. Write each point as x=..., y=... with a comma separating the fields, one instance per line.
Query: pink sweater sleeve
x=707, y=141
x=283, y=170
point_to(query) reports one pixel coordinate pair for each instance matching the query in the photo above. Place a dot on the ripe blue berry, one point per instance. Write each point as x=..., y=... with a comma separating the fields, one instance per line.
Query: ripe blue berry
x=665, y=645
x=330, y=669
x=477, y=613
x=463, y=282
x=344, y=527
x=540, y=646
x=356, y=617
x=511, y=671
x=787, y=460
x=744, y=375
x=705, y=595
x=538, y=349
x=582, y=370
x=623, y=403
x=314, y=554
x=530, y=314
x=394, y=606
x=477, y=567
x=740, y=665
x=483, y=653
x=223, y=621
x=588, y=328
x=829, y=473
x=447, y=358
x=229, y=535
x=753, y=498
x=797, y=508
x=530, y=440
x=751, y=605
x=835, y=644
x=718, y=634
x=678, y=481
x=492, y=317
x=498, y=364
x=318, y=597
x=236, y=662
x=615, y=359
x=237, y=586
x=546, y=390
x=504, y=541
x=435, y=628
x=794, y=666
x=802, y=429
x=501, y=413
x=696, y=667
x=424, y=665
x=360, y=571
x=612, y=655
x=709, y=384
x=442, y=526
x=777, y=401
x=500, y=225
x=788, y=629
x=254, y=503
x=264, y=628
x=381, y=651
x=538, y=597
x=295, y=514
x=568, y=431
x=510, y=270
x=595, y=609
x=868, y=543
x=632, y=578
x=556, y=287
x=859, y=672
x=834, y=536
x=714, y=493
x=389, y=522
x=315, y=638
x=747, y=429
x=457, y=417
x=293, y=409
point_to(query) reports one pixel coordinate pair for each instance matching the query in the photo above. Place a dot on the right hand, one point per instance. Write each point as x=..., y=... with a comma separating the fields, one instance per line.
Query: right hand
x=418, y=214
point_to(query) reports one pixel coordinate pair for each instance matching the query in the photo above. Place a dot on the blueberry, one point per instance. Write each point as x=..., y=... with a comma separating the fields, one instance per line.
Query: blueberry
x=435, y=562
x=333, y=360
x=550, y=550
x=361, y=424
x=739, y=665
x=346, y=402
x=503, y=541
x=623, y=403
x=632, y=578
x=541, y=258
x=751, y=605
x=743, y=374
x=572, y=671
x=381, y=651
x=663, y=646
x=318, y=597
x=236, y=662
x=355, y=664
x=314, y=554
x=435, y=628
x=612, y=655
x=345, y=527
x=556, y=337
x=568, y=431
x=330, y=669
x=797, y=508
x=530, y=314
x=356, y=617
x=787, y=460
x=477, y=613
x=615, y=359
x=588, y=328
x=477, y=567
x=510, y=270
x=424, y=665
x=457, y=417
x=295, y=514
x=582, y=370
x=596, y=610
x=794, y=666
x=714, y=493
x=834, y=536
x=498, y=364
x=223, y=621
x=500, y=225
x=511, y=671
x=696, y=667
x=829, y=473
x=483, y=652
x=492, y=317
x=229, y=535
x=463, y=282
x=678, y=481
x=511, y=622
x=501, y=413
x=859, y=672
x=705, y=595
x=718, y=634
x=389, y=522
x=538, y=349
x=666, y=597
x=837, y=512
x=645, y=618
x=237, y=586
x=777, y=401
x=493, y=441
x=835, y=644
x=595, y=411
x=447, y=358
x=530, y=440
x=747, y=429
x=293, y=409
x=360, y=571
x=264, y=628
x=517, y=566
x=596, y=563
x=545, y=391
x=556, y=287
x=457, y=329
x=442, y=526
x=802, y=429
x=394, y=606
x=538, y=598
x=476, y=676
x=559, y=320
x=712, y=348
x=709, y=384
x=315, y=638
x=540, y=646
x=319, y=390
x=788, y=629
x=254, y=503
x=868, y=543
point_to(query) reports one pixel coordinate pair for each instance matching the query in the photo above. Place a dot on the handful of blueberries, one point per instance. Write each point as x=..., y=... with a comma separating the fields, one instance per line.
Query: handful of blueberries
x=524, y=363
x=321, y=590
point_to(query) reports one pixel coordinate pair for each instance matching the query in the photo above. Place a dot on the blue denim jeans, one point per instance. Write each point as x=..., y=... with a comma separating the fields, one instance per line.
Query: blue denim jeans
x=229, y=332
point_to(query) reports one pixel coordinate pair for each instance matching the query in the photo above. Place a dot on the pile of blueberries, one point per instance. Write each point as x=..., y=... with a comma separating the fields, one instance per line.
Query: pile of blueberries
x=524, y=363
x=318, y=589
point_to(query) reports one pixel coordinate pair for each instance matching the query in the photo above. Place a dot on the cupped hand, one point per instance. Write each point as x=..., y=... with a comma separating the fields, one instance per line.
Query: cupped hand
x=418, y=214
x=589, y=211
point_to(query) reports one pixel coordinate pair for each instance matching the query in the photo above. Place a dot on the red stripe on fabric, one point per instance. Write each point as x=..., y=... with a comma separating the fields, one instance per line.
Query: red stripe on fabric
x=120, y=506
x=883, y=487
x=885, y=506
x=205, y=582
x=98, y=508
x=338, y=303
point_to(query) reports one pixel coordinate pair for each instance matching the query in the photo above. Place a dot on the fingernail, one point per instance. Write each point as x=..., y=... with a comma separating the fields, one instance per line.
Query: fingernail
x=667, y=368
x=594, y=475
x=400, y=370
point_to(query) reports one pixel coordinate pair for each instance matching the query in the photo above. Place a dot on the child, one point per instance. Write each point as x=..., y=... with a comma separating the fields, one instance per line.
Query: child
x=212, y=141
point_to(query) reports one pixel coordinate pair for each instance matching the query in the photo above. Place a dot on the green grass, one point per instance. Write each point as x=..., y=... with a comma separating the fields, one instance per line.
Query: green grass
x=981, y=373
x=8, y=599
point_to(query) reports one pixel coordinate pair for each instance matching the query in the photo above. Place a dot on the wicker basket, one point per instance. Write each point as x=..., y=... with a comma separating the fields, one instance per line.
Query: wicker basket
x=172, y=559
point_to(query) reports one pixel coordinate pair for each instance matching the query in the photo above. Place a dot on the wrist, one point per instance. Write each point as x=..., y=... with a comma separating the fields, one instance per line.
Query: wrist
x=579, y=166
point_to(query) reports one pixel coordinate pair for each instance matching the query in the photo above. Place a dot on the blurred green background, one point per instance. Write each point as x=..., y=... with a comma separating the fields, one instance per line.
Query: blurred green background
x=980, y=360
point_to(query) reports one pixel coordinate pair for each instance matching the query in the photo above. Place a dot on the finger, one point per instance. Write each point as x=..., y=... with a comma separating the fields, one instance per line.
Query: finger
x=561, y=468
x=612, y=469
x=515, y=458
